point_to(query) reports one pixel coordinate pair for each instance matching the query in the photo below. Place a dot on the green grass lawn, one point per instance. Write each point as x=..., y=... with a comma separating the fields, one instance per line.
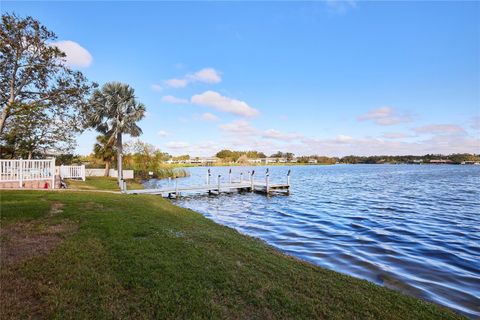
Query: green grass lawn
x=139, y=256
x=101, y=183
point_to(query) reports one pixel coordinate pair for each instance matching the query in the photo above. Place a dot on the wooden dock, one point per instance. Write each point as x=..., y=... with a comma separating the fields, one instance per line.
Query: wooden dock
x=250, y=185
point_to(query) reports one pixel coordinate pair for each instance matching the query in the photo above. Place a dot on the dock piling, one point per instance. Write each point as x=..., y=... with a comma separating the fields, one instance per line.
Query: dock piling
x=266, y=181
x=265, y=187
x=209, y=174
x=251, y=181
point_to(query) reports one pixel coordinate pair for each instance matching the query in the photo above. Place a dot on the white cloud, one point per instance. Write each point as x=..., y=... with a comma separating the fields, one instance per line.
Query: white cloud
x=395, y=135
x=340, y=6
x=240, y=135
x=209, y=117
x=439, y=129
x=176, y=83
x=385, y=116
x=177, y=145
x=343, y=139
x=76, y=55
x=205, y=75
x=162, y=133
x=225, y=104
x=367, y=146
x=277, y=135
x=174, y=100
x=241, y=127
x=156, y=87
x=201, y=149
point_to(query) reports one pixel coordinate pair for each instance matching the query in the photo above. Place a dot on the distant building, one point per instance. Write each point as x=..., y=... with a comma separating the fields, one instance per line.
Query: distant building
x=441, y=161
x=204, y=160
x=196, y=160
x=269, y=160
x=272, y=160
x=312, y=161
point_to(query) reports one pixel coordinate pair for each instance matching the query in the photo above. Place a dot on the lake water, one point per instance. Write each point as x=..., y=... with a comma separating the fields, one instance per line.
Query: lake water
x=412, y=228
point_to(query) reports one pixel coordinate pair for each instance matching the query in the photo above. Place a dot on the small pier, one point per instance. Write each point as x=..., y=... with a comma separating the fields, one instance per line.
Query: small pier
x=216, y=187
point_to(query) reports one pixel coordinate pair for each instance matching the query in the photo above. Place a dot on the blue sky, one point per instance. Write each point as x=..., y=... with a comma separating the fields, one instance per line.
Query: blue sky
x=329, y=78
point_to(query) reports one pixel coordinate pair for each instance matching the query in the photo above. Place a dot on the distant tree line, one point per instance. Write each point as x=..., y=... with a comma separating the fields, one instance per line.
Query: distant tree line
x=236, y=156
x=320, y=159
x=454, y=158
x=233, y=156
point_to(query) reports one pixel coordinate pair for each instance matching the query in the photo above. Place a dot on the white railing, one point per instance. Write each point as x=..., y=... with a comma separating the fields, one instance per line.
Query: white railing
x=72, y=172
x=27, y=170
x=93, y=172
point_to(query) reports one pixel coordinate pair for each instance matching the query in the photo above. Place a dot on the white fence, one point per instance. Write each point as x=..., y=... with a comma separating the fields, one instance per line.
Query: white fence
x=72, y=172
x=27, y=170
x=127, y=174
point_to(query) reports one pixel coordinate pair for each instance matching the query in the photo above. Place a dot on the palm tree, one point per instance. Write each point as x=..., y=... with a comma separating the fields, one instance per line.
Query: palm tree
x=104, y=151
x=116, y=111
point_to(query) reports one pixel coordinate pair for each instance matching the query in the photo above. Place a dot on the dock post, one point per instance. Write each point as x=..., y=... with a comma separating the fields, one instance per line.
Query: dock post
x=241, y=177
x=230, y=176
x=288, y=181
x=266, y=181
x=209, y=174
x=251, y=181
x=218, y=180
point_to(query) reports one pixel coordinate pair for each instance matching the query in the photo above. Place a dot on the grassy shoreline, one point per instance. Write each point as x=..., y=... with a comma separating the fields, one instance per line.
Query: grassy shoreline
x=132, y=256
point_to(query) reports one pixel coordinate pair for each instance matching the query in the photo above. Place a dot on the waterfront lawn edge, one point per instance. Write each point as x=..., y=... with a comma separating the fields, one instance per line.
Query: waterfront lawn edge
x=139, y=256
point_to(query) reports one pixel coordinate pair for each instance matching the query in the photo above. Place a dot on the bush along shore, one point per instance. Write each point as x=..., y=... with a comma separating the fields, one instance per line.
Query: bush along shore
x=163, y=173
x=71, y=255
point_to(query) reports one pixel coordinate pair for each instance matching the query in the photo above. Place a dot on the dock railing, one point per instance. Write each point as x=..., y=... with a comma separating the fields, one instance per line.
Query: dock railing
x=218, y=186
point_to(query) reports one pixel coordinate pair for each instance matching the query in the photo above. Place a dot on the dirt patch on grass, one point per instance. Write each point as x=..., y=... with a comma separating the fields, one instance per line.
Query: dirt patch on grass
x=19, y=296
x=20, y=242
x=56, y=208
x=93, y=206
x=24, y=240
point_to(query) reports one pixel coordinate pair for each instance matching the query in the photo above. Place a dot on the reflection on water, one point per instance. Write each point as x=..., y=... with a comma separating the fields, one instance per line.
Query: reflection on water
x=413, y=228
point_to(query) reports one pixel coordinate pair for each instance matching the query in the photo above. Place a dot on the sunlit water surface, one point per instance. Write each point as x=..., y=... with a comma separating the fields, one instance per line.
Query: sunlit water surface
x=413, y=228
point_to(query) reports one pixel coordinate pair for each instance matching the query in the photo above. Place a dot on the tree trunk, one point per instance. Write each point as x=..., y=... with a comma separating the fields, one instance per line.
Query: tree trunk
x=4, y=116
x=11, y=99
x=119, y=159
x=107, y=168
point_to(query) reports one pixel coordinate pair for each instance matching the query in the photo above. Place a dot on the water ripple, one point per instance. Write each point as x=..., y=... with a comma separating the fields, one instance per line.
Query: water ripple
x=415, y=229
